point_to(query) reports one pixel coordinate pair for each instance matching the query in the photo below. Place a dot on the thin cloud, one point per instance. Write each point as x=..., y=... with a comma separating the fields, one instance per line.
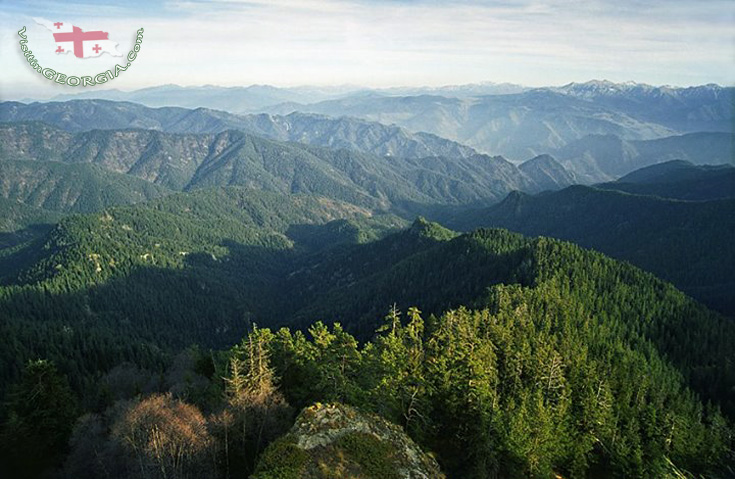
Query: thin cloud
x=388, y=43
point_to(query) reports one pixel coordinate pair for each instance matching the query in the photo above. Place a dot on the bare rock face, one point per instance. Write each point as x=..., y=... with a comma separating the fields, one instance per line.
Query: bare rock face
x=336, y=441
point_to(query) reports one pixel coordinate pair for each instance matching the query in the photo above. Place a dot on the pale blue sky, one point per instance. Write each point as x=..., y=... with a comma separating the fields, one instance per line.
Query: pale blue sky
x=383, y=43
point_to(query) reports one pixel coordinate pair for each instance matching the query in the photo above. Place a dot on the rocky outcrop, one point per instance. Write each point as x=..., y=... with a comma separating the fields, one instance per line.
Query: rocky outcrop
x=336, y=441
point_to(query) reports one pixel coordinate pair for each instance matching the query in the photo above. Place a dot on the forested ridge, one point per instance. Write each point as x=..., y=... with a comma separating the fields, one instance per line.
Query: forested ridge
x=51, y=170
x=222, y=295
x=686, y=242
x=529, y=356
x=232, y=157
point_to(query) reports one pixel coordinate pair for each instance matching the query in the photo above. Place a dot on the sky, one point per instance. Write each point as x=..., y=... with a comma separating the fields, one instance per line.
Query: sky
x=379, y=43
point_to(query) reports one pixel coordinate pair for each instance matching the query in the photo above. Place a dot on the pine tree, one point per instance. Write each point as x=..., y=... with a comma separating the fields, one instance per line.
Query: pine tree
x=42, y=410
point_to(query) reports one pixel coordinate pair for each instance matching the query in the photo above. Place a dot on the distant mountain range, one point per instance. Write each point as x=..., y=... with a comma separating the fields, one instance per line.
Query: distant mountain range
x=522, y=125
x=698, y=108
x=317, y=130
x=254, y=98
x=499, y=119
x=102, y=153
x=518, y=126
x=235, y=99
x=591, y=158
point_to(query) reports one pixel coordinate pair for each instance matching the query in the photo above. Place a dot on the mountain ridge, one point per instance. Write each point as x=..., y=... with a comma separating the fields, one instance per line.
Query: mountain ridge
x=661, y=235
x=318, y=130
x=234, y=157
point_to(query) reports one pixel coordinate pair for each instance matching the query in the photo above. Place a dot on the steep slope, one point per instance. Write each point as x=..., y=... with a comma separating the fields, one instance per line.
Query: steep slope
x=679, y=180
x=547, y=173
x=235, y=158
x=71, y=188
x=239, y=159
x=20, y=222
x=169, y=160
x=33, y=140
x=687, y=243
x=354, y=134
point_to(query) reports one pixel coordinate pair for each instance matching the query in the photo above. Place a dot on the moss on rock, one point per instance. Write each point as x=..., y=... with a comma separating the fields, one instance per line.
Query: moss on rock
x=338, y=442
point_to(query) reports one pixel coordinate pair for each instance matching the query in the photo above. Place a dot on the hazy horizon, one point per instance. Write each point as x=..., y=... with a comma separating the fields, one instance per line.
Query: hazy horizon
x=338, y=89
x=381, y=44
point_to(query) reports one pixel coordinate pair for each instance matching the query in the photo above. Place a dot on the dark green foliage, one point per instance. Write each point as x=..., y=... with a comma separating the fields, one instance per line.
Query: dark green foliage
x=20, y=222
x=678, y=180
x=373, y=455
x=256, y=413
x=282, y=460
x=130, y=283
x=71, y=188
x=40, y=413
x=533, y=385
x=686, y=242
x=568, y=360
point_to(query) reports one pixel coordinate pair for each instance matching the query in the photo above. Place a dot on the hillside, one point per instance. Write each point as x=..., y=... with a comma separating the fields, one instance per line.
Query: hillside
x=219, y=254
x=353, y=133
x=597, y=158
x=679, y=180
x=236, y=158
x=359, y=135
x=20, y=222
x=556, y=342
x=547, y=173
x=687, y=243
x=76, y=188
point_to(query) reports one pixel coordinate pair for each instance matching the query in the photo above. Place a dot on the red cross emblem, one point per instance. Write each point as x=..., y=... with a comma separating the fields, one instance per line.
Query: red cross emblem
x=79, y=37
